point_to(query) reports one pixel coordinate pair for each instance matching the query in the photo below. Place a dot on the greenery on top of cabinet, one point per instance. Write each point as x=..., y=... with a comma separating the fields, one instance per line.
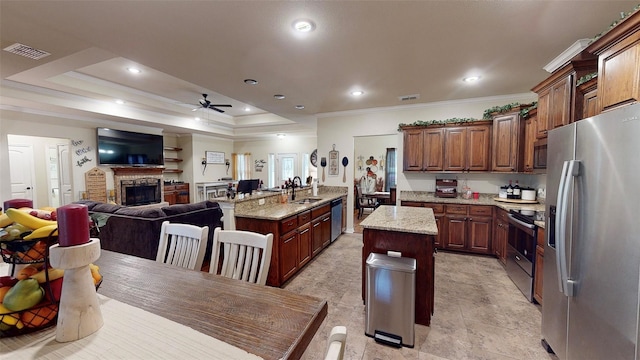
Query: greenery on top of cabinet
x=437, y=122
x=616, y=22
x=586, y=78
x=524, y=113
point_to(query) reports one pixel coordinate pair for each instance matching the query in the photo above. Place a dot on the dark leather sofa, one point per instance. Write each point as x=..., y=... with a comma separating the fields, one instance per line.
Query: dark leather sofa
x=136, y=231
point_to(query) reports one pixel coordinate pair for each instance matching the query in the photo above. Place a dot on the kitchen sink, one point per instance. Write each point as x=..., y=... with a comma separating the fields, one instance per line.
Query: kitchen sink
x=306, y=201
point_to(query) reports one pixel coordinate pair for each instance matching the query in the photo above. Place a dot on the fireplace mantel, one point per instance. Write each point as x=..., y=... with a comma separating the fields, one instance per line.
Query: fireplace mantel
x=133, y=170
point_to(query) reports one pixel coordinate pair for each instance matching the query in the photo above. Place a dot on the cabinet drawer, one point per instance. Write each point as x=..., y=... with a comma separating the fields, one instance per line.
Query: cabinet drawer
x=288, y=224
x=437, y=208
x=315, y=212
x=502, y=215
x=456, y=209
x=480, y=210
x=304, y=217
x=411, y=203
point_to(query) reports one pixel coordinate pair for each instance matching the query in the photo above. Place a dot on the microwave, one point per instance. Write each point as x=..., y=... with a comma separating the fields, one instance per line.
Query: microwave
x=540, y=154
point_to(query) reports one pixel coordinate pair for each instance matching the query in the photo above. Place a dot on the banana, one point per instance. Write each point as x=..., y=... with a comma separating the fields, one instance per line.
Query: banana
x=28, y=220
x=10, y=318
x=43, y=232
x=5, y=220
x=54, y=274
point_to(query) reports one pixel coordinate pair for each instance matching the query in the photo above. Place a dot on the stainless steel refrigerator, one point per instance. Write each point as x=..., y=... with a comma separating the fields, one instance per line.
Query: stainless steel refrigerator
x=592, y=251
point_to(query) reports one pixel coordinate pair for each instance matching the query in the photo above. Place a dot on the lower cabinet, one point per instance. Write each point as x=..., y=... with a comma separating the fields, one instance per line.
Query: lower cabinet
x=296, y=239
x=176, y=193
x=501, y=235
x=539, y=266
x=461, y=227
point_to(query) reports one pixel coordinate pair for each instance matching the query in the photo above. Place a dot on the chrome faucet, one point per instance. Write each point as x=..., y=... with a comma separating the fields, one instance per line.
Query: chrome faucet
x=293, y=187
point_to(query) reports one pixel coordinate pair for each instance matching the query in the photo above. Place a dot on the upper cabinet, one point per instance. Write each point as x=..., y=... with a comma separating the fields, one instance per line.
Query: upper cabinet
x=618, y=53
x=557, y=105
x=461, y=147
x=507, y=153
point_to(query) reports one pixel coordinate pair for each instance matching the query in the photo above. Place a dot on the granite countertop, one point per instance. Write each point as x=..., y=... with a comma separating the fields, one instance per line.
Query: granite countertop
x=402, y=219
x=272, y=209
x=485, y=199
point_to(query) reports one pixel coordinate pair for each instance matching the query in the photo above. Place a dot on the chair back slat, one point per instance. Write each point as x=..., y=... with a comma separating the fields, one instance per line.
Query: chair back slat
x=182, y=245
x=245, y=255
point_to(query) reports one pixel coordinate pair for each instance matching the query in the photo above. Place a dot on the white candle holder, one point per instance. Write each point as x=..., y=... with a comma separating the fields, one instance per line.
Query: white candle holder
x=79, y=312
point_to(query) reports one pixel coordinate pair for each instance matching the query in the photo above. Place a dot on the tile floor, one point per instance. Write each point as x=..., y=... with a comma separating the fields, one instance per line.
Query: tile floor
x=479, y=313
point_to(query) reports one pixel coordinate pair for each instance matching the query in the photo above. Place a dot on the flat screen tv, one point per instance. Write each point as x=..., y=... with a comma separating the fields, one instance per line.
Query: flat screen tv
x=119, y=147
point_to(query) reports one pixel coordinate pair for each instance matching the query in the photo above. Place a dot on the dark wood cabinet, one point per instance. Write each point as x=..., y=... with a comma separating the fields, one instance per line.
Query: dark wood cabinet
x=507, y=153
x=618, y=53
x=461, y=227
x=558, y=103
x=451, y=147
x=588, y=94
x=288, y=254
x=297, y=239
x=529, y=140
x=176, y=193
x=304, y=244
x=501, y=235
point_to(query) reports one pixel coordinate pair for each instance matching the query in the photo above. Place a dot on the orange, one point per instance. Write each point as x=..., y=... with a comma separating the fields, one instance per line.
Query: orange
x=39, y=316
x=3, y=291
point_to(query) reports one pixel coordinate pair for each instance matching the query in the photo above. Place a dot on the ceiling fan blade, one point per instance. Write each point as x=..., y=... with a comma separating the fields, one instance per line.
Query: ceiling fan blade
x=221, y=105
x=216, y=109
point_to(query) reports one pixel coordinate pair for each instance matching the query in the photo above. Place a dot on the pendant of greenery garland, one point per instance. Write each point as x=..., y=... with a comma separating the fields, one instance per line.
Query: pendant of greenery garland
x=437, y=122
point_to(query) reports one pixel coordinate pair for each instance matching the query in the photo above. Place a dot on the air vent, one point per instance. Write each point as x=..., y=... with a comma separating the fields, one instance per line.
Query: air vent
x=409, y=97
x=26, y=51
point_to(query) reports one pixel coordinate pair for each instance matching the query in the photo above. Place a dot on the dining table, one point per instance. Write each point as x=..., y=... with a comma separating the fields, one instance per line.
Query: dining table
x=201, y=310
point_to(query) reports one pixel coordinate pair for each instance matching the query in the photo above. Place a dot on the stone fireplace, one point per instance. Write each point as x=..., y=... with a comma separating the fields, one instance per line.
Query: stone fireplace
x=138, y=185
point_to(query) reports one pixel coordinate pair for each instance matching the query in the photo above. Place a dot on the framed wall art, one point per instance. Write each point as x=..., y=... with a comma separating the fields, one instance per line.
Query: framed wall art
x=334, y=162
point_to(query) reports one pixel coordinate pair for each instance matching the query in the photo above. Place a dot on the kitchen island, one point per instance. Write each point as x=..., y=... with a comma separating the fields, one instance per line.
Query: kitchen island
x=411, y=232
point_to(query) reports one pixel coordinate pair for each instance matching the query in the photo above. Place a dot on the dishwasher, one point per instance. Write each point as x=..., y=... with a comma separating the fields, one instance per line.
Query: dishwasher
x=336, y=218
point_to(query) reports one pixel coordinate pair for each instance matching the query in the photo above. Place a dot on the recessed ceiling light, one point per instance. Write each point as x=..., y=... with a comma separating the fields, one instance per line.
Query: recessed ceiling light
x=247, y=108
x=470, y=79
x=134, y=70
x=299, y=107
x=279, y=96
x=120, y=102
x=357, y=93
x=304, y=25
x=280, y=136
x=251, y=82
x=196, y=118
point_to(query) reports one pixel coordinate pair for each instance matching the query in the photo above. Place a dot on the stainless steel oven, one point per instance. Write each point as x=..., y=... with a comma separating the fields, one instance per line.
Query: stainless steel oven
x=521, y=250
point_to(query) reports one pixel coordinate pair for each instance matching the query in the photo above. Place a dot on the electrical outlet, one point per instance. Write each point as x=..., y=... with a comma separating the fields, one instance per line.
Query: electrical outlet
x=260, y=201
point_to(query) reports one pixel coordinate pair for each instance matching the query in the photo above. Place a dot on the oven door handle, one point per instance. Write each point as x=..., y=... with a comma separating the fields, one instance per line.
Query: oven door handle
x=520, y=222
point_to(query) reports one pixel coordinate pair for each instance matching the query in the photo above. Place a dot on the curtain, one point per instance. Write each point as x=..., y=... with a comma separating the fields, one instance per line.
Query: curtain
x=390, y=169
x=241, y=166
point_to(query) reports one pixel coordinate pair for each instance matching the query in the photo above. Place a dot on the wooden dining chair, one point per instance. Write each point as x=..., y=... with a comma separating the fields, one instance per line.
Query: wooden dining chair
x=365, y=202
x=336, y=343
x=182, y=245
x=245, y=255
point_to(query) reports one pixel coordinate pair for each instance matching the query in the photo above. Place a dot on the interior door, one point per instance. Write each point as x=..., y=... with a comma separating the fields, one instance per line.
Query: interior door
x=64, y=176
x=21, y=171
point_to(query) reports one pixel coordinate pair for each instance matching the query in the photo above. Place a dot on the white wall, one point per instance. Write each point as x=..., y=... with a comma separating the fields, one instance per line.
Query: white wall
x=261, y=149
x=341, y=128
x=82, y=133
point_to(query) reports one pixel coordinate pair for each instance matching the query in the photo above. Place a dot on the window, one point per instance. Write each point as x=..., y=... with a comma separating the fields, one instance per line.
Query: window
x=241, y=166
x=390, y=169
x=271, y=181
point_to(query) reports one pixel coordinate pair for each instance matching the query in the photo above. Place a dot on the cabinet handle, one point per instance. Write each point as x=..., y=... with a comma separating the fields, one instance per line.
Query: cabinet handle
x=470, y=219
x=304, y=231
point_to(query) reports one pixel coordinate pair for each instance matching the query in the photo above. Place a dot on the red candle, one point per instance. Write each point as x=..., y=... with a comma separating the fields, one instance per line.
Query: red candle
x=73, y=225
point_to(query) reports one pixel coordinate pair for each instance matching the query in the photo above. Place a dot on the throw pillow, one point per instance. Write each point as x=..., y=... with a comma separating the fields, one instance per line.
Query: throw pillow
x=183, y=208
x=106, y=208
x=150, y=213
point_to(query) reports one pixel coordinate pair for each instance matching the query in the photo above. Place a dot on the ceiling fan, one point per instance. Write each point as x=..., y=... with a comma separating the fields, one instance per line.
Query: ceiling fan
x=205, y=103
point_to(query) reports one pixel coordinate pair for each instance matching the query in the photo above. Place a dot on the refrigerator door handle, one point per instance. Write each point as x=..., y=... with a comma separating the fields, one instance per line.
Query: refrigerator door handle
x=560, y=219
x=570, y=170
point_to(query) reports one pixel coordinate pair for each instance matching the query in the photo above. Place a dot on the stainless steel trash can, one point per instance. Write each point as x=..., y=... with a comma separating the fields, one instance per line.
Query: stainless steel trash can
x=390, y=299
